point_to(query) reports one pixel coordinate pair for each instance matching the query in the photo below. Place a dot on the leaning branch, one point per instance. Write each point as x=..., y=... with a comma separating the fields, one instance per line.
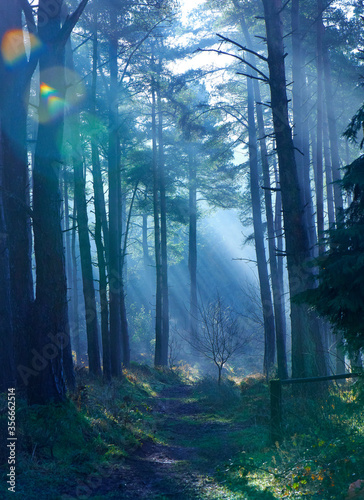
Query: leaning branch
x=242, y=47
x=241, y=59
x=70, y=23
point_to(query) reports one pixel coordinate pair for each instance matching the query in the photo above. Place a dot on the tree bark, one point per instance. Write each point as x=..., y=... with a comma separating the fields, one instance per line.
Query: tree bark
x=265, y=295
x=157, y=243
x=319, y=135
x=101, y=226
x=335, y=164
x=277, y=289
x=7, y=365
x=163, y=222
x=14, y=95
x=192, y=242
x=114, y=194
x=75, y=322
x=307, y=349
x=89, y=295
x=50, y=341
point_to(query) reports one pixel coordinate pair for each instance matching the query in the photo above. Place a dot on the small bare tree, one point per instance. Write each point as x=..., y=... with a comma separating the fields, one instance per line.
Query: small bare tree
x=220, y=335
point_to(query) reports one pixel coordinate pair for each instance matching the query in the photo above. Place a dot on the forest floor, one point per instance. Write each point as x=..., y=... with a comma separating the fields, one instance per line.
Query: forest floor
x=180, y=462
x=160, y=435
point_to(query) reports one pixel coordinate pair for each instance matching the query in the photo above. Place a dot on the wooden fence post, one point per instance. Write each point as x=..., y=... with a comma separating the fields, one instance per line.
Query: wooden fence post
x=276, y=410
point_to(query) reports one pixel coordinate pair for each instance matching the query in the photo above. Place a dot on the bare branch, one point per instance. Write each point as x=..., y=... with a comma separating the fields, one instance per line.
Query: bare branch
x=242, y=47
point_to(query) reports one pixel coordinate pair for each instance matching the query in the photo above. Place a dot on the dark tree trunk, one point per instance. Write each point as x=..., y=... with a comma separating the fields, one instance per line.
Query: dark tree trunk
x=157, y=243
x=335, y=164
x=192, y=242
x=7, y=366
x=123, y=228
x=75, y=322
x=50, y=341
x=14, y=95
x=278, y=230
x=146, y=258
x=301, y=135
x=114, y=190
x=334, y=139
x=307, y=191
x=100, y=223
x=328, y=174
x=265, y=295
x=86, y=261
x=163, y=222
x=319, y=135
x=89, y=295
x=307, y=350
x=277, y=289
x=67, y=238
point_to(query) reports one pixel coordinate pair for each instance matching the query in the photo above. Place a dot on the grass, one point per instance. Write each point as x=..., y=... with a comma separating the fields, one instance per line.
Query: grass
x=77, y=446
x=68, y=443
x=321, y=455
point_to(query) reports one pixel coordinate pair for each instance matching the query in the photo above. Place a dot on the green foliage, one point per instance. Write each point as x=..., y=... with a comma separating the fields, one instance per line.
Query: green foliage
x=321, y=456
x=340, y=294
x=58, y=445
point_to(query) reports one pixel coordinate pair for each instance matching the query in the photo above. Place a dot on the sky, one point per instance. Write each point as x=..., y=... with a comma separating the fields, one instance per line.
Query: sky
x=187, y=6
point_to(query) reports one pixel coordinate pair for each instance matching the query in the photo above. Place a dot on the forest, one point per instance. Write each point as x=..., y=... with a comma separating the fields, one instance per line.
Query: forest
x=181, y=249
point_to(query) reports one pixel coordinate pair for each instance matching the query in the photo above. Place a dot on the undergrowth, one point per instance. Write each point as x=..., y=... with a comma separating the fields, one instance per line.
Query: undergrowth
x=99, y=424
x=72, y=448
x=322, y=452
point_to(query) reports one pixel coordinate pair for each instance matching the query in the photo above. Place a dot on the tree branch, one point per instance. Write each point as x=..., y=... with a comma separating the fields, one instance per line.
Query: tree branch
x=242, y=47
x=70, y=23
x=236, y=57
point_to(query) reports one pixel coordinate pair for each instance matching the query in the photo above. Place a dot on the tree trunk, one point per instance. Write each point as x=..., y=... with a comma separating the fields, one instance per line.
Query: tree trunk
x=50, y=341
x=319, y=135
x=93, y=349
x=75, y=323
x=328, y=174
x=123, y=271
x=192, y=242
x=277, y=289
x=157, y=244
x=307, y=350
x=301, y=135
x=307, y=191
x=335, y=163
x=265, y=295
x=278, y=230
x=100, y=222
x=67, y=236
x=14, y=96
x=114, y=190
x=7, y=366
x=163, y=222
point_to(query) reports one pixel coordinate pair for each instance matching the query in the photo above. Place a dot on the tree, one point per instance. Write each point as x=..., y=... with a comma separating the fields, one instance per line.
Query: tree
x=220, y=334
x=307, y=348
x=340, y=295
x=7, y=373
x=83, y=230
x=15, y=74
x=50, y=342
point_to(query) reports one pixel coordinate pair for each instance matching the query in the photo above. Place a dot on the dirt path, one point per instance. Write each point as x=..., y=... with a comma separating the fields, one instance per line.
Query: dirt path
x=180, y=462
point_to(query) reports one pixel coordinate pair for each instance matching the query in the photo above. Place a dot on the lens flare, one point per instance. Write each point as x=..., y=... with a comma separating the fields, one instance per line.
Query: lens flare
x=53, y=103
x=13, y=47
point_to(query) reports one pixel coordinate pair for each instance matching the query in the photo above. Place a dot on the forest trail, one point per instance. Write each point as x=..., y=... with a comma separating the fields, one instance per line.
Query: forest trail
x=181, y=461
